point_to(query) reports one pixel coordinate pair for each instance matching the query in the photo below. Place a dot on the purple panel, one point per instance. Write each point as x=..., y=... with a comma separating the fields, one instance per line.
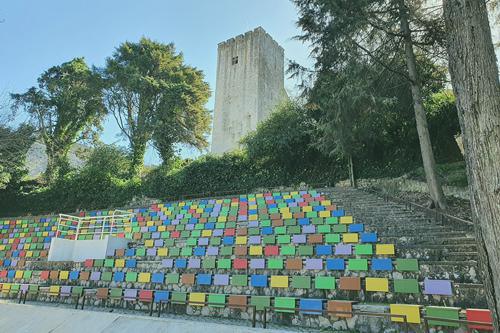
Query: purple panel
x=292, y=204
x=257, y=263
x=298, y=239
x=129, y=294
x=97, y=236
x=179, y=216
x=144, y=229
x=24, y=287
x=217, y=232
x=14, y=262
x=194, y=263
x=242, y=217
x=214, y=214
x=163, y=218
x=168, y=263
x=302, y=192
x=110, y=252
x=314, y=264
x=253, y=224
x=203, y=241
x=308, y=229
x=211, y=201
x=155, y=235
x=51, y=233
x=254, y=240
x=95, y=276
x=189, y=226
x=343, y=249
x=151, y=252
x=159, y=243
x=175, y=222
x=221, y=279
x=437, y=287
x=65, y=290
x=212, y=251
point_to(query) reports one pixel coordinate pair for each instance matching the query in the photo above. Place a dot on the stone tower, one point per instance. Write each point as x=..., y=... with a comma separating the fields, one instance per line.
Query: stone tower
x=250, y=83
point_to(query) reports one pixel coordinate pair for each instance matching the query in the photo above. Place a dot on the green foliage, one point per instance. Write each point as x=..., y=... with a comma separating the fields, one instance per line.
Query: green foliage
x=452, y=174
x=65, y=108
x=154, y=96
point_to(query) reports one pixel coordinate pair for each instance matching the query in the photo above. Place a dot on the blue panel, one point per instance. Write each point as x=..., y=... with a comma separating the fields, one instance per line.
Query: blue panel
x=180, y=263
x=119, y=276
x=158, y=278
x=267, y=230
x=357, y=227
x=253, y=211
x=11, y=274
x=369, y=237
x=306, y=305
x=318, y=208
x=323, y=250
x=384, y=264
x=6, y=262
x=199, y=251
x=204, y=279
x=73, y=275
x=209, y=226
x=193, y=220
x=257, y=280
x=339, y=212
x=208, y=210
x=335, y=264
x=130, y=263
x=161, y=296
x=152, y=229
x=129, y=252
x=304, y=221
x=228, y=240
x=272, y=206
x=167, y=222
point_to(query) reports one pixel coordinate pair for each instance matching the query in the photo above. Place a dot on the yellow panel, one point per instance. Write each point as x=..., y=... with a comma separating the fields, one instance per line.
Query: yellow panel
x=294, y=193
x=287, y=215
x=252, y=206
x=235, y=204
x=2, y=247
x=54, y=289
x=221, y=219
x=412, y=312
x=287, y=196
x=387, y=249
x=255, y=250
x=194, y=206
x=11, y=240
x=149, y=243
x=307, y=209
x=218, y=201
x=128, y=229
x=29, y=254
x=278, y=281
x=350, y=237
x=241, y=240
x=259, y=195
x=162, y=228
x=253, y=217
x=63, y=275
x=45, y=233
x=6, y=287
x=182, y=203
x=206, y=233
x=22, y=234
x=325, y=213
x=346, y=219
x=19, y=274
x=150, y=223
x=144, y=277
x=197, y=297
x=119, y=263
x=326, y=203
x=162, y=251
x=199, y=210
x=284, y=210
x=377, y=284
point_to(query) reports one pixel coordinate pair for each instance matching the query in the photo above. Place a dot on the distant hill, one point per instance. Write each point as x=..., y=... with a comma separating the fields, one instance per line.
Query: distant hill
x=36, y=158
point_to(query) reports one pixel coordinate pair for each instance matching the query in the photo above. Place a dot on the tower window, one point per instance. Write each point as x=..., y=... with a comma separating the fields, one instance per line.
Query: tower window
x=234, y=61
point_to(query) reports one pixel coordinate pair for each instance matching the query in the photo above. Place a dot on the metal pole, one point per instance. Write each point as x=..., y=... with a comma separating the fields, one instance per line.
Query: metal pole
x=102, y=229
x=78, y=228
x=264, y=317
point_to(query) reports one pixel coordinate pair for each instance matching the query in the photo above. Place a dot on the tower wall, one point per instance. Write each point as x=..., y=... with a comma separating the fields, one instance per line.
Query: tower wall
x=250, y=83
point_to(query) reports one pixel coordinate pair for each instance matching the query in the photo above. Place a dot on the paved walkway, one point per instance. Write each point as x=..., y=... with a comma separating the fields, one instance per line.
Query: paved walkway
x=15, y=318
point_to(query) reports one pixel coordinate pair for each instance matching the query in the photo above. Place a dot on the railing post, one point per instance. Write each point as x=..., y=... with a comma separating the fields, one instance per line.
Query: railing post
x=103, y=224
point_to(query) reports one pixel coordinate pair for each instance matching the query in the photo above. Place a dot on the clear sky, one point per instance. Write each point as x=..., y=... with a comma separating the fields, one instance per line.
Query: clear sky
x=35, y=35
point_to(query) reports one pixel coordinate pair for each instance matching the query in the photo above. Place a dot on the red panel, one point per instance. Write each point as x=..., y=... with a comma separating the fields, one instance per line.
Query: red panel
x=271, y=250
x=44, y=275
x=240, y=264
x=145, y=295
x=229, y=232
x=89, y=263
x=479, y=315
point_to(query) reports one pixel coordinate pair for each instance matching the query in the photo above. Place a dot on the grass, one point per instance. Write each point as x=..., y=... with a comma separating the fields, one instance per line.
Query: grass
x=451, y=174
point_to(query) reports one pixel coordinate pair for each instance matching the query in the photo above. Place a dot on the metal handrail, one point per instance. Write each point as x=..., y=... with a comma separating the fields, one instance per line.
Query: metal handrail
x=458, y=321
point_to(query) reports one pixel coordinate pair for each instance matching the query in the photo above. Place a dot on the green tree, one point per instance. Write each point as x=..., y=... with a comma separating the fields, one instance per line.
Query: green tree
x=154, y=96
x=14, y=144
x=65, y=108
x=382, y=31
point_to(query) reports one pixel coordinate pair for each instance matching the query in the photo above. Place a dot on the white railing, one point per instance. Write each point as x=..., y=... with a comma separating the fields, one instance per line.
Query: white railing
x=71, y=226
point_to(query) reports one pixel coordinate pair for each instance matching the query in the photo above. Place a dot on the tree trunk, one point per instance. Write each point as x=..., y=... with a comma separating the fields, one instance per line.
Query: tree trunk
x=137, y=162
x=435, y=189
x=352, y=177
x=474, y=74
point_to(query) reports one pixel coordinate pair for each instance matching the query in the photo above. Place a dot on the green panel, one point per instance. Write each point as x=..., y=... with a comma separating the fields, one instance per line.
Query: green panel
x=240, y=280
x=192, y=241
x=323, y=229
x=208, y=263
x=280, y=231
x=77, y=290
x=185, y=233
x=265, y=223
x=172, y=278
x=363, y=249
x=332, y=238
x=284, y=239
x=106, y=276
x=287, y=250
x=217, y=300
x=174, y=251
x=226, y=251
x=199, y=226
x=357, y=265
x=109, y=262
x=195, y=233
x=169, y=242
x=317, y=220
x=260, y=302
x=27, y=274
x=301, y=282
x=165, y=234
x=305, y=250
x=324, y=282
x=131, y=277
x=269, y=239
x=179, y=297
x=187, y=251
x=220, y=225
x=275, y=263
x=116, y=292
x=98, y=263
x=407, y=286
x=286, y=303
x=140, y=252
x=290, y=222
x=442, y=312
x=253, y=231
x=215, y=241
x=146, y=235
x=293, y=230
x=224, y=263
x=312, y=214
x=339, y=228
x=407, y=265
x=231, y=225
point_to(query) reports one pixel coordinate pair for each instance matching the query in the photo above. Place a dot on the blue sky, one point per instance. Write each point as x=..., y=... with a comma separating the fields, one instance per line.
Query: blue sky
x=36, y=35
